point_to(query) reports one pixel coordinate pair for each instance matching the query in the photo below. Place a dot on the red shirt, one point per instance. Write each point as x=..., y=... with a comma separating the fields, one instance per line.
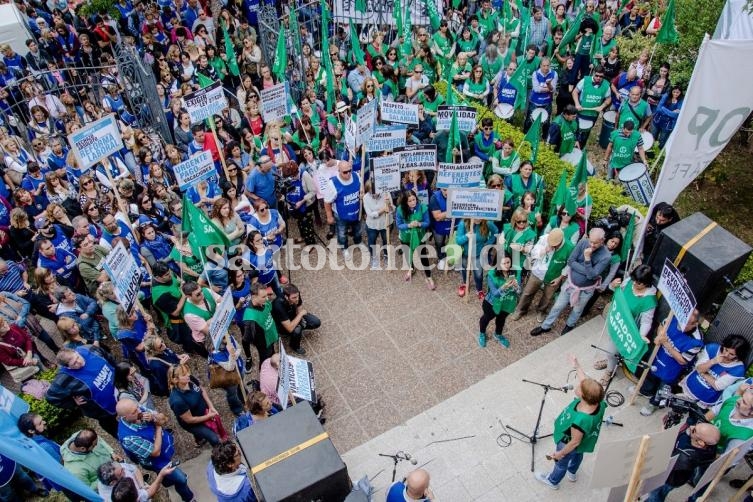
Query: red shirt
x=15, y=337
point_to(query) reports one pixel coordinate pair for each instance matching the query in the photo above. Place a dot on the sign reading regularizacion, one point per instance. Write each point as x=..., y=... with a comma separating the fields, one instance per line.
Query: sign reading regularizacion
x=475, y=203
x=197, y=168
x=205, y=102
x=459, y=175
x=96, y=141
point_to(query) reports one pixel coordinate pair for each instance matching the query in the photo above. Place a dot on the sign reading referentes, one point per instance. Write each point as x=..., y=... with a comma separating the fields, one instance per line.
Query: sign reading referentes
x=459, y=175
x=197, y=168
x=476, y=203
x=96, y=141
x=205, y=102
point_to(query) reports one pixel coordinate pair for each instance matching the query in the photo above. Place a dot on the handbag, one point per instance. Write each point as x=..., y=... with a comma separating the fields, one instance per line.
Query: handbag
x=220, y=378
x=21, y=373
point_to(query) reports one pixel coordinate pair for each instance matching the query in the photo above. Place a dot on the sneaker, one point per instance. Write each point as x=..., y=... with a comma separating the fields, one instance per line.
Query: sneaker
x=375, y=265
x=300, y=351
x=572, y=477
x=516, y=315
x=249, y=365
x=540, y=316
x=648, y=410
x=482, y=340
x=481, y=296
x=544, y=478
x=346, y=254
x=539, y=330
x=461, y=290
x=502, y=340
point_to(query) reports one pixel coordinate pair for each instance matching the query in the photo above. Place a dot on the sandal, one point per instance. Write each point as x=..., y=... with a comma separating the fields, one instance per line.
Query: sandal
x=407, y=276
x=430, y=283
x=601, y=364
x=604, y=380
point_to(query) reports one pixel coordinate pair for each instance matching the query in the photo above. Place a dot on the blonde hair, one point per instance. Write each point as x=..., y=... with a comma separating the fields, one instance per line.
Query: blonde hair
x=64, y=325
x=175, y=371
x=18, y=218
x=105, y=292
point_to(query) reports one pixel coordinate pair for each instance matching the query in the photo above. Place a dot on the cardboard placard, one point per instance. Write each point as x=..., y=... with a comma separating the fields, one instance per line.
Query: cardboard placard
x=205, y=102
x=677, y=293
x=459, y=175
x=475, y=203
x=197, y=168
x=401, y=113
x=417, y=158
x=96, y=141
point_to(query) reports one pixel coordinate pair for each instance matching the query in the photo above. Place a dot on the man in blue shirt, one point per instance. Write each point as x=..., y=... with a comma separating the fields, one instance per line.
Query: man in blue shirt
x=414, y=488
x=261, y=183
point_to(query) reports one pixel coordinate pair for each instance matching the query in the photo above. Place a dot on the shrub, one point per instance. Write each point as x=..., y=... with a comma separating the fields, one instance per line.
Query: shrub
x=59, y=421
x=94, y=7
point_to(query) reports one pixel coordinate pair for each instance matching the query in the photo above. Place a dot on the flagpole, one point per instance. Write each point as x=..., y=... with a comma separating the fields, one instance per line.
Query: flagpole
x=219, y=149
x=470, y=261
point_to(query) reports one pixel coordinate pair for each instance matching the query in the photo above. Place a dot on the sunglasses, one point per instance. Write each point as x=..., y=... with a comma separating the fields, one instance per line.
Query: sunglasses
x=346, y=172
x=495, y=186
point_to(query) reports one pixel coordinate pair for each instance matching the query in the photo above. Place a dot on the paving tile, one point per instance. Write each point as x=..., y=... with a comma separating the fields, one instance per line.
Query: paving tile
x=360, y=390
x=447, y=381
x=378, y=417
x=375, y=345
x=336, y=405
x=452, y=490
x=412, y=400
x=394, y=373
x=346, y=432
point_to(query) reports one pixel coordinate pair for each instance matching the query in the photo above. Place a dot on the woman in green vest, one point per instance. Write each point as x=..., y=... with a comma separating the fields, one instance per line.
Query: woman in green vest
x=525, y=180
x=431, y=100
x=477, y=234
x=443, y=43
x=501, y=298
x=565, y=222
x=425, y=58
x=477, y=88
x=216, y=62
x=576, y=429
x=622, y=145
x=529, y=205
x=507, y=159
x=518, y=237
x=460, y=71
x=468, y=43
x=258, y=324
x=412, y=219
x=560, y=19
x=491, y=62
x=200, y=306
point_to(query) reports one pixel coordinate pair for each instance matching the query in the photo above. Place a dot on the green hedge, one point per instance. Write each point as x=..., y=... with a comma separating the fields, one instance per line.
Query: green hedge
x=59, y=421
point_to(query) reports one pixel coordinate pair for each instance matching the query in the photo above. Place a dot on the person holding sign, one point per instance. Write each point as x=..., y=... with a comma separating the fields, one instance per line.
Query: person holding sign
x=412, y=220
x=576, y=429
x=200, y=306
x=342, y=202
x=504, y=289
x=483, y=234
x=378, y=208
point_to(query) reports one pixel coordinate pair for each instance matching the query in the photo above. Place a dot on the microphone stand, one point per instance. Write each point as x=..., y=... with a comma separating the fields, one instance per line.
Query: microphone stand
x=396, y=459
x=534, y=437
x=620, y=362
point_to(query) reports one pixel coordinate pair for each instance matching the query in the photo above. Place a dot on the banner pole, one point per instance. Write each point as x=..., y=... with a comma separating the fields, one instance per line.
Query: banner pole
x=219, y=149
x=446, y=260
x=469, y=262
x=649, y=363
x=635, y=477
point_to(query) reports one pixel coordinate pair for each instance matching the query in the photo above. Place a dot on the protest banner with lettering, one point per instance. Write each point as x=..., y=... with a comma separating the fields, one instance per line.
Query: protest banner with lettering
x=459, y=175
x=380, y=13
x=477, y=203
x=351, y=136
x=283, y=378
x=386, y=173
x=197, y=168
x=466, y=117
x=402, y=113
x=274, y=102
x=677, y=293
x=125, y=275
x=417, y=158
x=223, y=316
x=624, y=332
x=205, y=102
x=365, y=121
x=301, y=378
x=96, y=141
x=386, y=138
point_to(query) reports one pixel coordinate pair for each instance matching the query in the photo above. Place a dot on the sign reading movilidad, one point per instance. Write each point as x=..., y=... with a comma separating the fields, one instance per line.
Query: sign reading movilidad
x=197, y=168
x=96, y=141
x=476, y=203
x=466, y=117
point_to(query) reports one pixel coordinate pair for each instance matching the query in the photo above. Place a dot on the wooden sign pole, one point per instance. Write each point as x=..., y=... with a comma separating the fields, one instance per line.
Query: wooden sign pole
x=719, y=475
x=742, y=491
x=446, y=259
x=470, y=261
x=647, y=369
x=635, y=477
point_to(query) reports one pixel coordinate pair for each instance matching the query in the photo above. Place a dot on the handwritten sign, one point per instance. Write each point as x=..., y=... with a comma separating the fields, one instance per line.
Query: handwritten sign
x=205, y=102
x=96, y=141
x=125, y=275
x=477, y=203
x=274, y=102
x=197, y=168
x=459, y=175
x=222, y=318
x=402, y=113
x=466, y=117
x=417, y=158
x=676, y=291
x=386, y=173
x=386, y=138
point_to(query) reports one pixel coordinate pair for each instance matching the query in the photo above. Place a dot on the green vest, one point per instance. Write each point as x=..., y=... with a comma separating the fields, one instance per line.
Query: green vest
x=558, y=261
x=508, y=299
x=467, y=45
x=623, y=148
x=173, y=289
x=585, y=44
x=513, y=236
x=518, y=189
x=589, y=424
x=264, y=319
x=528, y=68
x=567, y=133
x=592, y=96
x=415, y=216
x=491, y=69
x=444, y=44
x=641, y=111
x=477, y=87
x=604, y=49
x=637, y=304
x=727, y=429
x=190, y=308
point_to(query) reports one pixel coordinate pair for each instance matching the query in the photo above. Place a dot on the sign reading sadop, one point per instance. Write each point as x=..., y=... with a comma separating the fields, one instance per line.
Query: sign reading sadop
x=459, y=175
x=386, y=173
x=466, y=117
x=477, y=203
x=96, y=141
x=624, y=332
x=222, y=318
x=676, y=291
x=386, y=138
x=417, y=158
x=197, y=168
x=274, y=102
x=125, y=275
x=402, y=113
x=205, y=102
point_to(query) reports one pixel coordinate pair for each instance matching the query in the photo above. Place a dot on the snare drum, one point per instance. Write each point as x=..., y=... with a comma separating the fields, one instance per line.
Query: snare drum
x=504, y=111
x=648, y=140
x=574, y=159
x=585, y=124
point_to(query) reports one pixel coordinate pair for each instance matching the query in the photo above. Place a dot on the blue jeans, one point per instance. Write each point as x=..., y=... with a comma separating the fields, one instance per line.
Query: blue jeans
x=478, y=273
x=440, y=241
x=371, y=238
x=568, y=463
x=20, y=480
x=660, y=493
x=201, y=431
x=179, y=480
x=563, y=300
x=342, y=235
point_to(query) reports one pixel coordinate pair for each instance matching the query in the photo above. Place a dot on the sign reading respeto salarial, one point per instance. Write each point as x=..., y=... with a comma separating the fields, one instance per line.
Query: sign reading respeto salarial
x=402, y=113
x=386, y=138
x=125, y=275
x=417, y=158
x=386, y=173
x=466, y=117
x=459, y=175
x=221, y=319
x=96, y=141
x=274, y=102
x=476, y=203
x=676, y=291
x=205, y=102
x=197, y=168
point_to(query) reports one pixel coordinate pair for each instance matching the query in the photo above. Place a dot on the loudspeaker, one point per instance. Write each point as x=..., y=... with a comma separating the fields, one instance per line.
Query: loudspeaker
x=735, y=317
x=712, y=261
x=291, y=458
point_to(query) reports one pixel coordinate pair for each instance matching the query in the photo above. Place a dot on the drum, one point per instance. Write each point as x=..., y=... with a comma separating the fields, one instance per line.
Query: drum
x=539, y=111
x=574, y=159
x=504, y=111
x=607, y=126
x=648, y=141
x=637, y=183
x=585, y=124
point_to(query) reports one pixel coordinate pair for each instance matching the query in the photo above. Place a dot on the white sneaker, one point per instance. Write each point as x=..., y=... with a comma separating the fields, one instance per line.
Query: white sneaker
x=346, y=254
x=544, y=478
x=442, y=263
x=572, y=477
x=375, y=265
x=648, y=410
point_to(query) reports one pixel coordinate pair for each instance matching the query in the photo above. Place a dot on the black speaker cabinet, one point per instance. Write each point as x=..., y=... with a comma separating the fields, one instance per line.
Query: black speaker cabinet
x=291, y=458
x=713, y=259
x=735, y=317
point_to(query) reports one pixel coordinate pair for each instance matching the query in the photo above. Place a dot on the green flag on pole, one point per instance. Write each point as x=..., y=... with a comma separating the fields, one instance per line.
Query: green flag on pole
x=205, y=81
x=361, y=6
x=281, y=57
x=519, y=81
x=581, y=173
x=431, y=9
x=232, y=60
x=668, y=31
x=560, y=195
x=533, y=137
x=202, y=231
x=453, y=140
x=624, y=332
x=627, y=241
x=397, y=15
x=356, y=44
x=571, y=33
x=295, y=31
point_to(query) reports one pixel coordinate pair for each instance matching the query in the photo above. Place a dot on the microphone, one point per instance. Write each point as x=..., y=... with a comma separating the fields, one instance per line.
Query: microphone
x=409, y=458
x=567, y=388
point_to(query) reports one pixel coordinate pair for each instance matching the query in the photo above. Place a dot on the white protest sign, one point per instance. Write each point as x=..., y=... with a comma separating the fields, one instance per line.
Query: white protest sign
x=351, y=135
x=197, y=168
x=477, y=203
x=125, y=275
x=676, y=291
x=459, y=175
x=417, y=158
x=402, y=113
x=96, y=141
x=274, y=102
x=380, y=13
x=386, y=138
x=386, y=173
x=365, y=121
x=301, y=378
x=466, y=117
x=718, y=464
x=223, y=316
x=283, y=382
x=205, y=102
x=617, y=494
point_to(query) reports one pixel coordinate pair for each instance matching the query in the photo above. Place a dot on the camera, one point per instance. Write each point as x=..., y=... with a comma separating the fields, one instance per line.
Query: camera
x=284, y=186
x=679, y=406
x=614, y=221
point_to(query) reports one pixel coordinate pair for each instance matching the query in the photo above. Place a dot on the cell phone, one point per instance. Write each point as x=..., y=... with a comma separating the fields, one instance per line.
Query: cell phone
x=175, y=463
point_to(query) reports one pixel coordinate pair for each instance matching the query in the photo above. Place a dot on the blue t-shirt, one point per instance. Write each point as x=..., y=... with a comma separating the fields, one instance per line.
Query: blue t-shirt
x=262, y=185
x=397, y=494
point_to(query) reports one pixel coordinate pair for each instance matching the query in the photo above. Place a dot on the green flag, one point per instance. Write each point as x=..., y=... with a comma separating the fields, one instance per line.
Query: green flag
x=397, y=15
x=453, y=140
x=560, y=195
x=232, y=60
x=571, y=33
x=455, y=4
x=295, y=31
x=533, y=137
x=361, y=6
x=202, y=231
x=431, y=9
x=627, y=241
x=624, y=332
x=519, y=81
x=581, y=173
x=356, y=44
x=668, y=31
x=281, y=57
x=205, y=81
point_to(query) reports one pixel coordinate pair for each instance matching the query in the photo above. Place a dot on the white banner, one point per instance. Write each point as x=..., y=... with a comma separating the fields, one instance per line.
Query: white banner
x=386, y=173
x=402, y=113
x=197, y=168
x=386, y=138
x=466, y=117
x=351, y=136
x=274, y=102
x=459, y=175
x=365, y=121
x=125, y=275
x=96, y=141
x=283, y=379
x=736, y=22
x=223, y=316
x=205, y=102
x=417, y=158
x=477, y=203
x=677, y=293
x=380, y=12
